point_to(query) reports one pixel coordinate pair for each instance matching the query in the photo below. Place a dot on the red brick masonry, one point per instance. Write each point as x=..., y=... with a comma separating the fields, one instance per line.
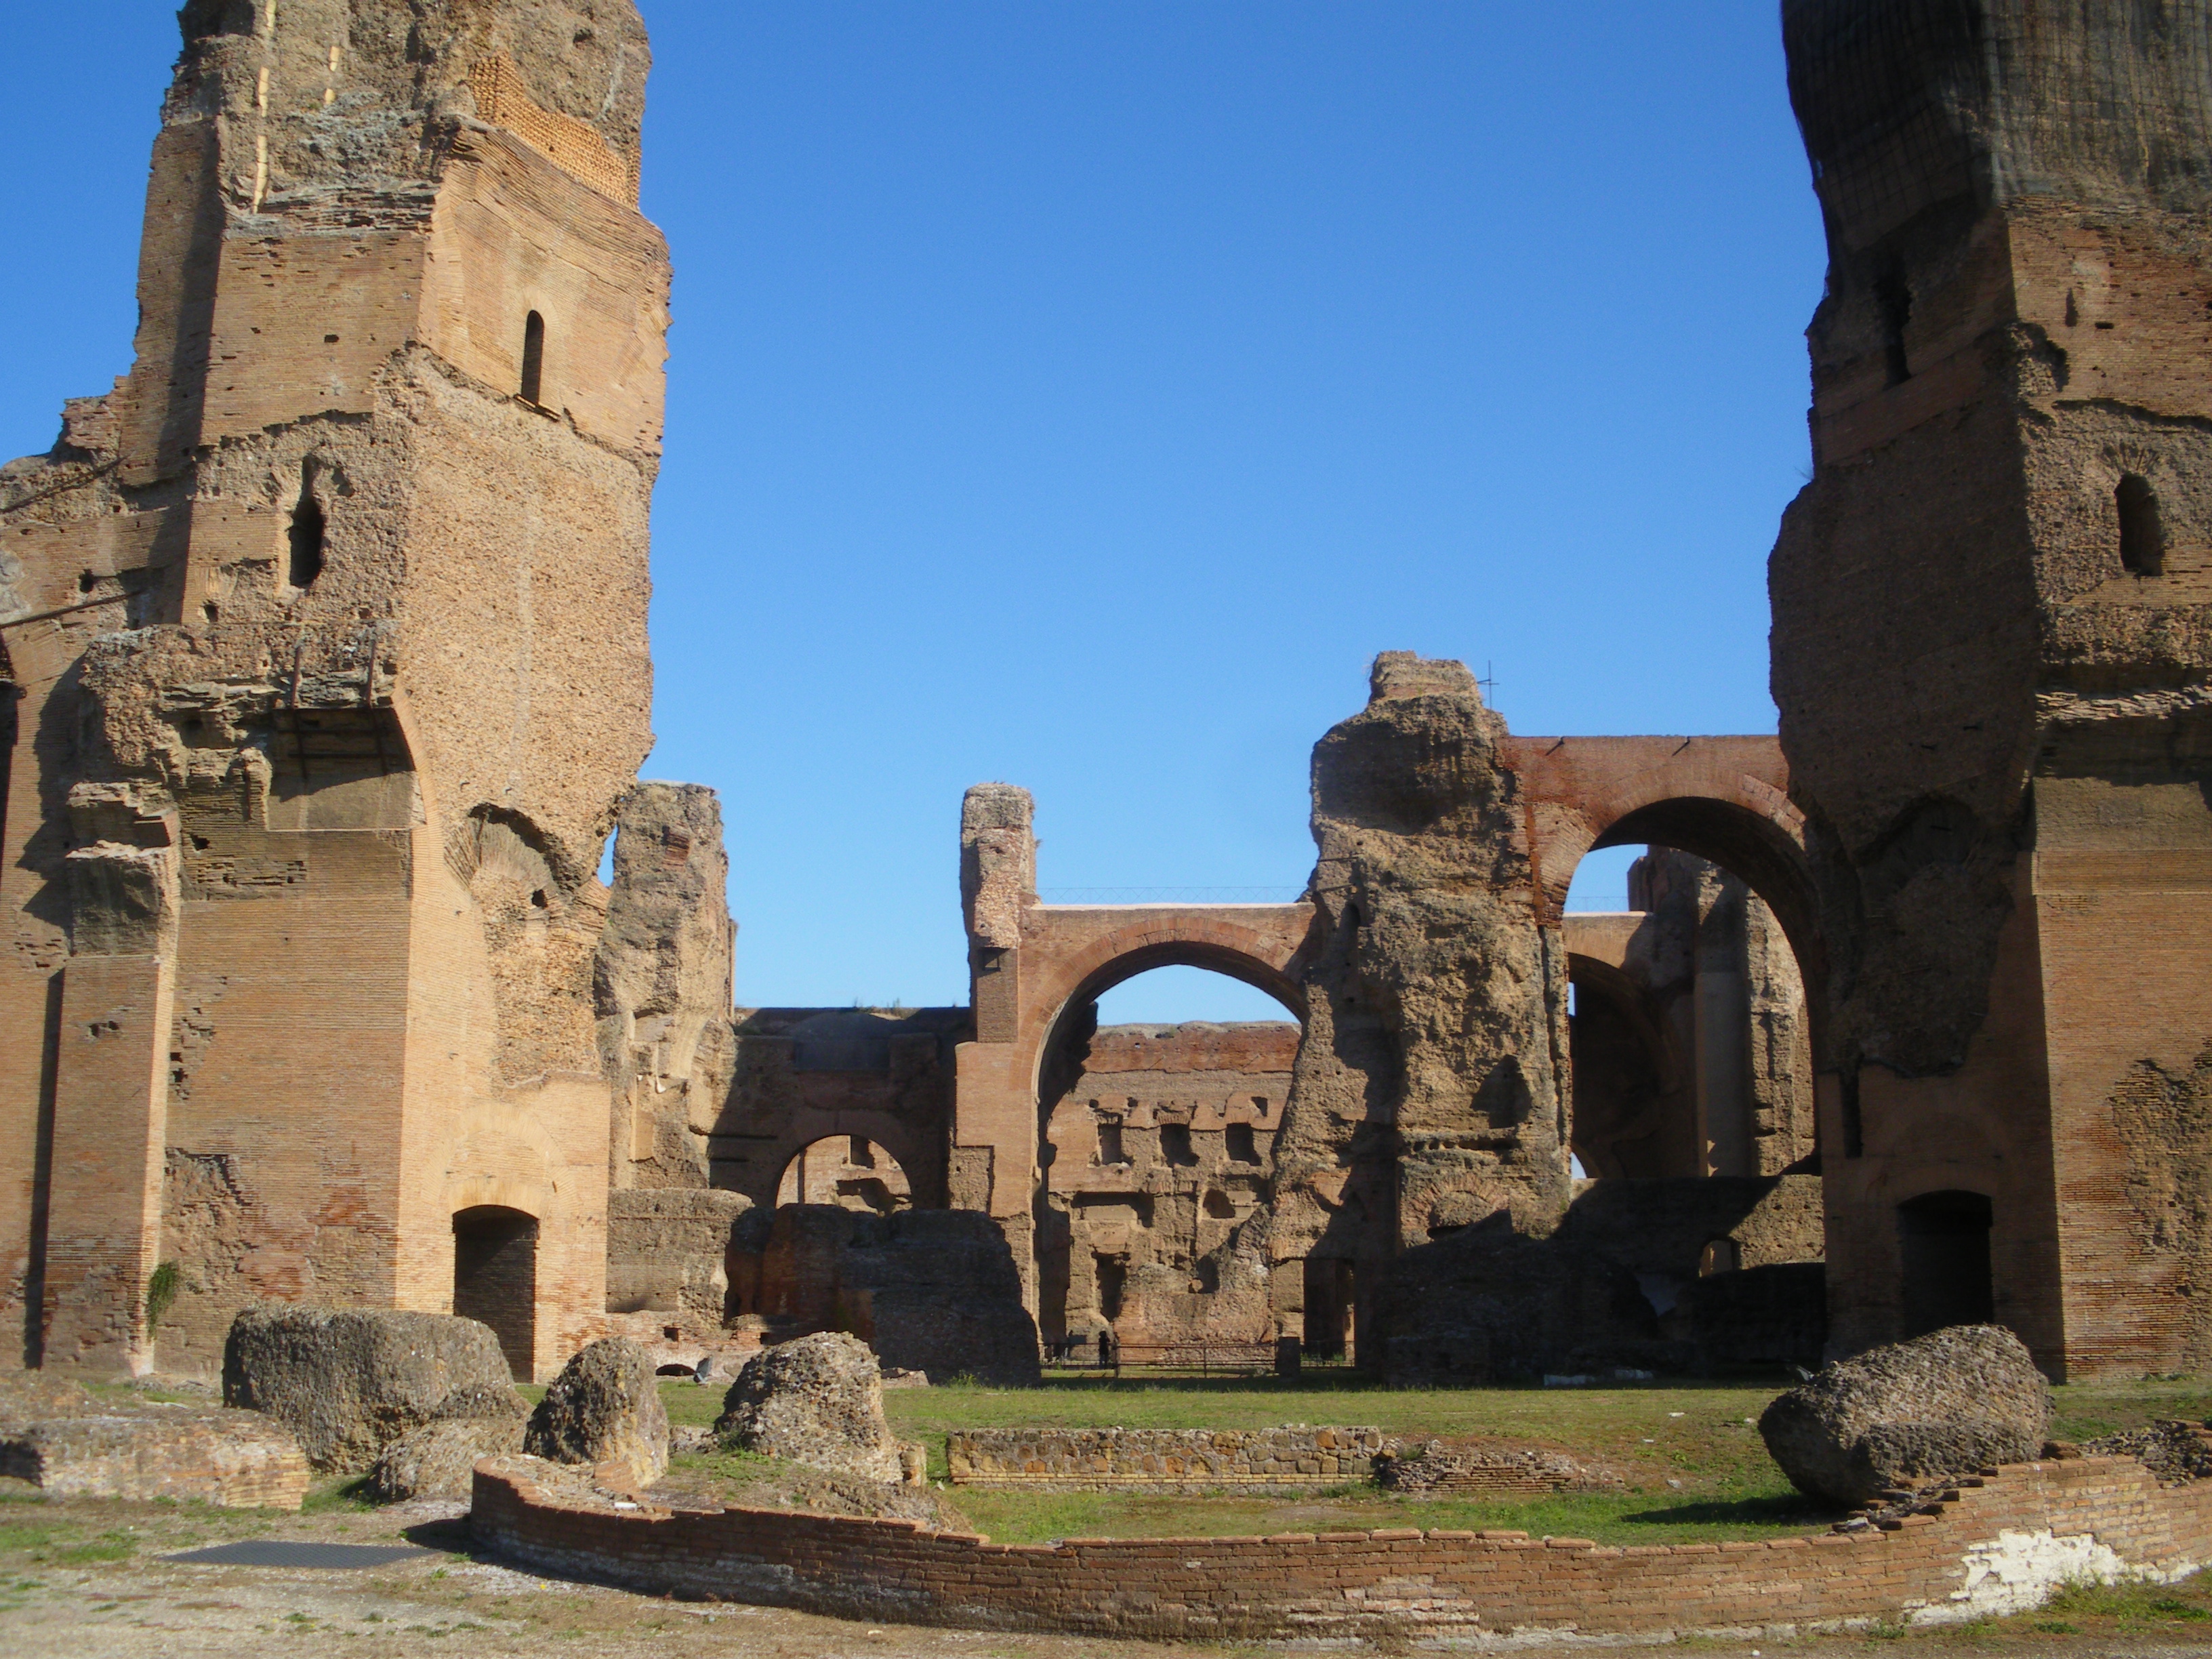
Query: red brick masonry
x=2001, y=1547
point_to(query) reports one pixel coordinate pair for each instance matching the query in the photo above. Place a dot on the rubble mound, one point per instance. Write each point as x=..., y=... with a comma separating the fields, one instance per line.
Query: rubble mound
x=1896, y=1417
x=27, y=1397
x=816, y=1400
x=439, y=1459
x=59, y=1438
x=778, y=1484
x=2175, y=1451
x=348, y=1382
x=604, y=1407
x=1436, y=1468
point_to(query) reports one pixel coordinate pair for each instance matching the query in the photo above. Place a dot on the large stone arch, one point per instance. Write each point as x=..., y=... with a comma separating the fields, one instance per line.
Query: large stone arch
x=1057, y=960
x=1725, y=799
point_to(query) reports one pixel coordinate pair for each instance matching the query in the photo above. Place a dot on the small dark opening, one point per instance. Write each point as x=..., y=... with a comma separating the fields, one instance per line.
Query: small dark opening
x=1175, y=1144
x=1243, y=1148
x=534, y=359
x=863, y=1155
x=1109, y=1141
x=305, y=539
x=1328, y=1308
x=1944, y=1243
x=1112, y=1276
x=2143, y=537
x=1894, y=300
x=1720, y=1255
x=495, y=1279
x=1219, y=1206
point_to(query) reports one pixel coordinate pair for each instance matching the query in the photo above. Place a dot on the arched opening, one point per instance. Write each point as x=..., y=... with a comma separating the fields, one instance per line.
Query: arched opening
x=303, y=537
x=850, y=1171
x=1161, y=1094
x=1943, y=1249
x=1695, y=988
x=534, y=359
x=1690, y=1027
x=495, y=1279
x=2143, y=537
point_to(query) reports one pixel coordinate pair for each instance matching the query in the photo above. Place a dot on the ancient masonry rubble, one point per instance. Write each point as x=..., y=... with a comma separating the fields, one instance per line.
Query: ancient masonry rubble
x=322, y=643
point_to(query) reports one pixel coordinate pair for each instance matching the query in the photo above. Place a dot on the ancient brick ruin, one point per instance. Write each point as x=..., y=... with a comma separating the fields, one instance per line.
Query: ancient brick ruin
x=327, y=680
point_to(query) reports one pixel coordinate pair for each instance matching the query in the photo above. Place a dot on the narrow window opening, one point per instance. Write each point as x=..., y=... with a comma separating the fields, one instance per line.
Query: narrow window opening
x=1242, y=1146
x=1109, y=1141
x=304, y=535
x=863, y=1155
x=1721, y=1256
x=534, y=359
x=1894, y=300
x=2143, y=537
x=1174, y=1145
x=1330, y=1301
x=1219, y=1207
x=1113, y=1275
x=1260, y=1104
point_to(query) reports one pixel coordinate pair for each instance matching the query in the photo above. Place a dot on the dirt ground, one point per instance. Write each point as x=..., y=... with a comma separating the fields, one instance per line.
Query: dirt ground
x=86, y=1578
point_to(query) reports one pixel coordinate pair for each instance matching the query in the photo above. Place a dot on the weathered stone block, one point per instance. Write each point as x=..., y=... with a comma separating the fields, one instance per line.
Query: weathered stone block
x=1949, y=1403
x=348, y=1382
x=604, y=1408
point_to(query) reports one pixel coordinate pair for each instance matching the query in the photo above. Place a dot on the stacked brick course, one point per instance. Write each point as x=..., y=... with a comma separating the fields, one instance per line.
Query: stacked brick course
x=2000, y=1546
x=1162, y=1459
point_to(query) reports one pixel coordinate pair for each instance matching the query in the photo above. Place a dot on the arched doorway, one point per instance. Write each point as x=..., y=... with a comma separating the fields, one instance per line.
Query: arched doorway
x=1160, y=1098
x=495, y=1279
x=851, y=1172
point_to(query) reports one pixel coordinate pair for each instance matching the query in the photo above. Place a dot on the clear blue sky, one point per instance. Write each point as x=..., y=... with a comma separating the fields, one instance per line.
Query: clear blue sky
x=1080, y=395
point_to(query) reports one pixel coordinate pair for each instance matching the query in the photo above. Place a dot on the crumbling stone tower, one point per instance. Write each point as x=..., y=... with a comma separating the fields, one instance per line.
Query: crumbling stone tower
x=1993, y=664
x=327, y=666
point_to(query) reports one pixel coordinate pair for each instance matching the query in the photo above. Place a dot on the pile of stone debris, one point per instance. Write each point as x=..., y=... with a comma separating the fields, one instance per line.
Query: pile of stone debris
x=2175, y=1451
x=1438, y=1469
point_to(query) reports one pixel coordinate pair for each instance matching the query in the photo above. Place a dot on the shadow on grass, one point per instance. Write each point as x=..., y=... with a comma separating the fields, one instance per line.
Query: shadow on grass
x=1792, y=1510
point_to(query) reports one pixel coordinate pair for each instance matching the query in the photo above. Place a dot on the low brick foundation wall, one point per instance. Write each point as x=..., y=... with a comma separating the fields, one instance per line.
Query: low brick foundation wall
x=1089, y=1460
x=2001, y=1547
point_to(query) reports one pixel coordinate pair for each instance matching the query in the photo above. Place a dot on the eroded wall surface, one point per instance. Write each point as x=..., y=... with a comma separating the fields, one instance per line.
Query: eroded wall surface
x=327, y=637
x=1990, y=654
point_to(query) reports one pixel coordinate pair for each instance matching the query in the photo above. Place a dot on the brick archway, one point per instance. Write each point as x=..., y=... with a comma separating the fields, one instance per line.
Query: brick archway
x=1060, y=959
x=1725, y=799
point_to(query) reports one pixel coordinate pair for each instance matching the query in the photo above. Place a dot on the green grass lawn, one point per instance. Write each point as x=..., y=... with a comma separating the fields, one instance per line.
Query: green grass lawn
x=1689, y=1453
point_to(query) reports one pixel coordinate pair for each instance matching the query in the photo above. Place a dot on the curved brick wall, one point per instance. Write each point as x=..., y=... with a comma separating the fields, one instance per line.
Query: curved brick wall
x=2001, y=1546
x=1161, y=1459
